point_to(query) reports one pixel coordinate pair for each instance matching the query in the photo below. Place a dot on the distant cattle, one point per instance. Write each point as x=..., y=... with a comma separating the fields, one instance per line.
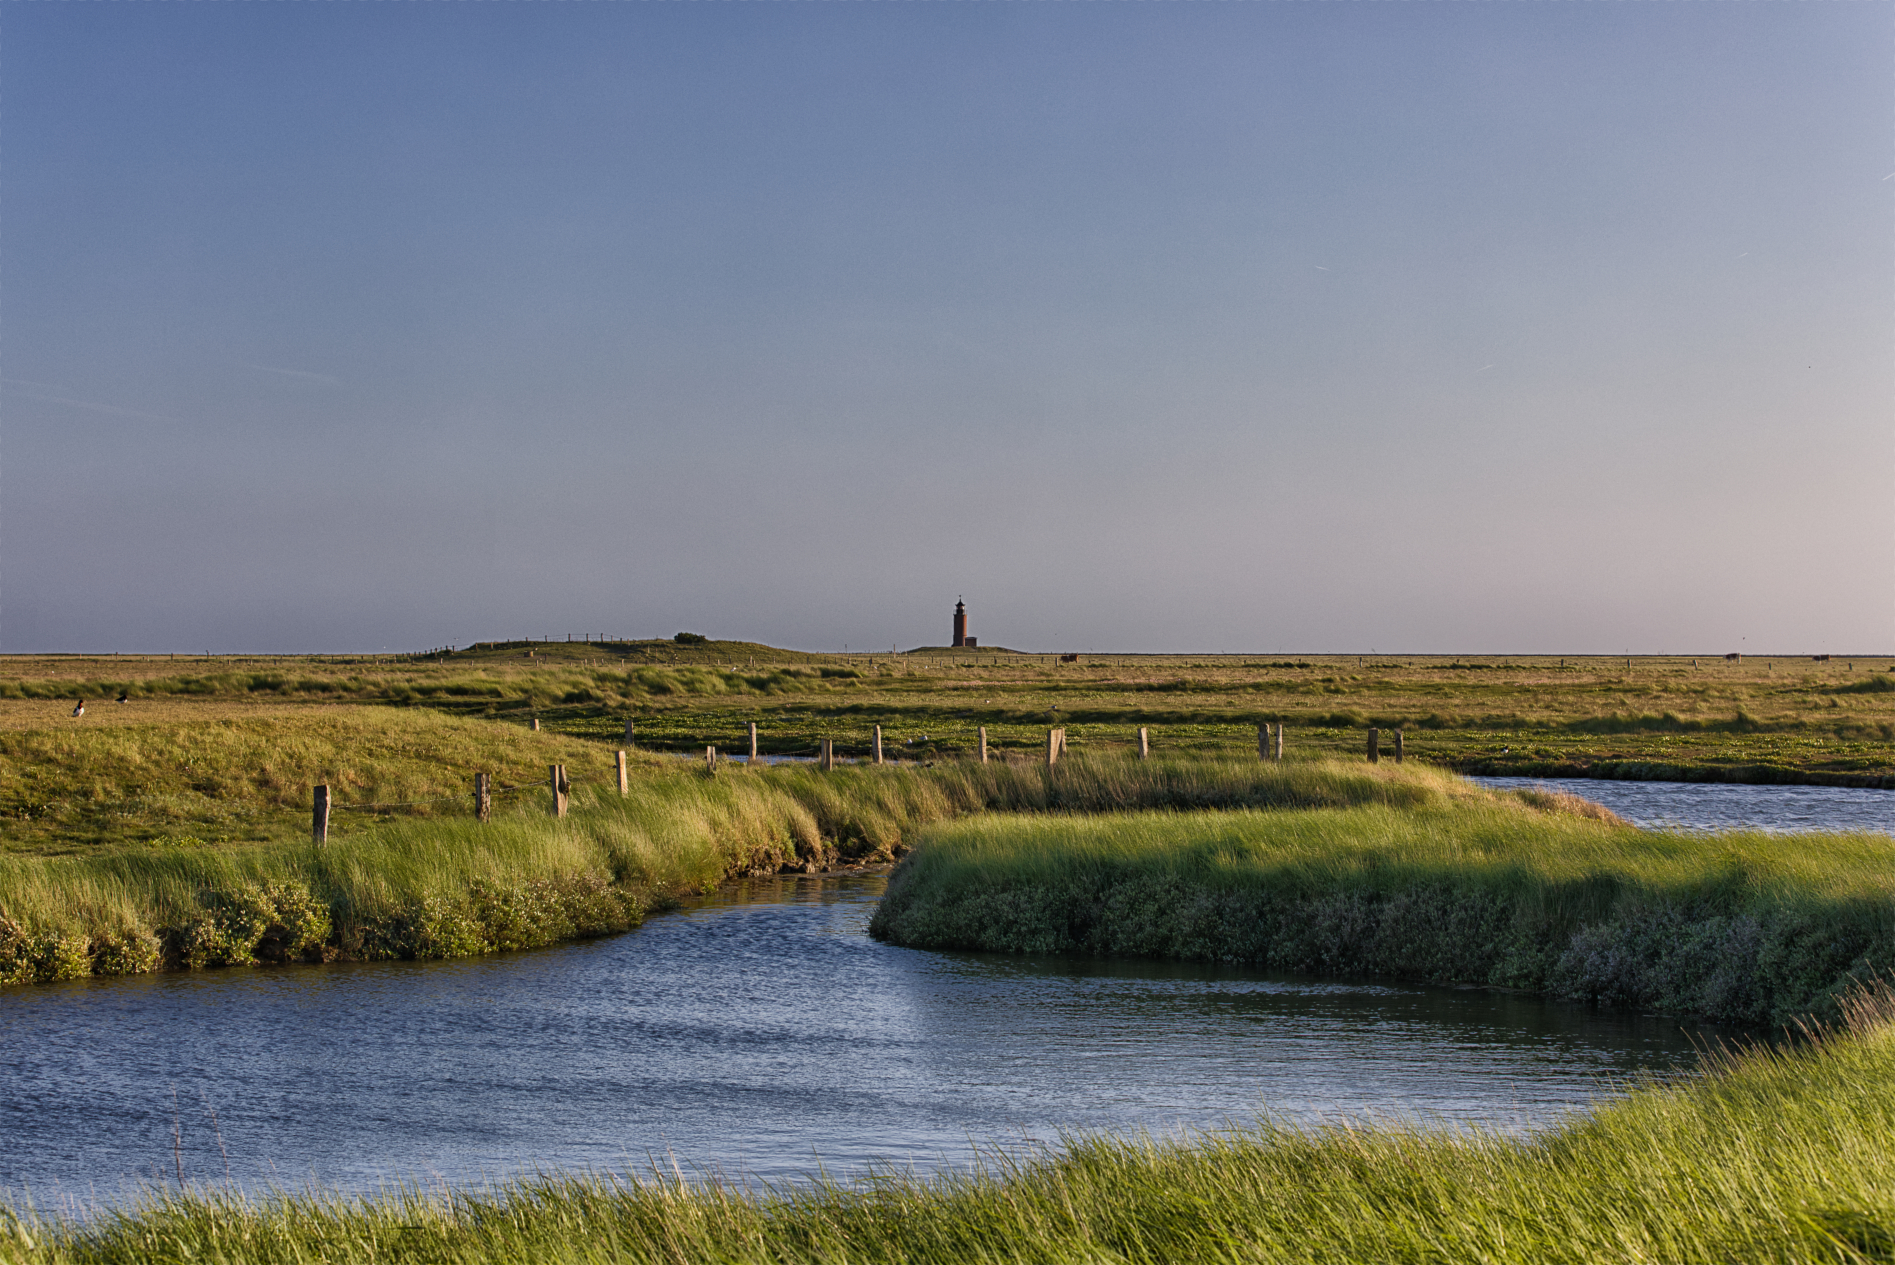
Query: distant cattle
x=1733, y=657
x=1069, y=658
x=1819, y=658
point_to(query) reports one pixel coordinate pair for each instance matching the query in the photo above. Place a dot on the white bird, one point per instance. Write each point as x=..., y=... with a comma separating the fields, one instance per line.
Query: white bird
x=80, y=710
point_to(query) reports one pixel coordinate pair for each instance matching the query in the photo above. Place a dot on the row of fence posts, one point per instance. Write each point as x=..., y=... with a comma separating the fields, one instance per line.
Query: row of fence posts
x=1269, y=744
x=1269, y=747
x=1375, y=745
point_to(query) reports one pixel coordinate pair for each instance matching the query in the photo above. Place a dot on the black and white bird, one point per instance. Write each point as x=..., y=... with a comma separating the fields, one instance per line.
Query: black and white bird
x=80, y=710
x=124, y=696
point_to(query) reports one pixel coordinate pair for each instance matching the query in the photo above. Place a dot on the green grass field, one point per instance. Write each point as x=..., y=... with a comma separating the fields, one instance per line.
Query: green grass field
x=218, y=757
x=64, y=787
x=1769, y=1156
x=191, y=781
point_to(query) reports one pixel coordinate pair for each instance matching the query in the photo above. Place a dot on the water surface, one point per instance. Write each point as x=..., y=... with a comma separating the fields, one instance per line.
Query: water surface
x=758, y=1034
x=1726, y=805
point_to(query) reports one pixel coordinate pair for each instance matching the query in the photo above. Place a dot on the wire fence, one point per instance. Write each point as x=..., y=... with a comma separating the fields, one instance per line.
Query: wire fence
x=441, y=799
x=861, y=748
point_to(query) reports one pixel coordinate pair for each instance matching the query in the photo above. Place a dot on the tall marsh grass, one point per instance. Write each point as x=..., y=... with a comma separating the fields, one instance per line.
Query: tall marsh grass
x=1772, y=1155
x=448, y=888
x=1524, y=892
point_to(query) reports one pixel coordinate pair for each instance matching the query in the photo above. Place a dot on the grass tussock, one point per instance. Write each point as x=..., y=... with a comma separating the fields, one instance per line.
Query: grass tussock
x=1536, y=893
x=1771, y=1155
x=413, y=888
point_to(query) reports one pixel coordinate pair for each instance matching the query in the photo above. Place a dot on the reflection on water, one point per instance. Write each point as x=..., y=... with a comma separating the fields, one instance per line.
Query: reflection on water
x=760, y=1033
x=1726, y=806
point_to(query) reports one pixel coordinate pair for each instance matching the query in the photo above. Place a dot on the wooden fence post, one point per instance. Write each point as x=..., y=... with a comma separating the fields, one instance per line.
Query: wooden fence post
x=557, y=775
x=983, y=744
x=483, y=797
x=878, y=744
x=1144, y=743
x=319, y=814
x=536, y=724
x=1263, y=742
x=1398, y=746
x=710, y=760
x=1279, y=741
x=1375, y=745
x=625, y=775
x=753, y=742
x=826, y=758
x=628, y=731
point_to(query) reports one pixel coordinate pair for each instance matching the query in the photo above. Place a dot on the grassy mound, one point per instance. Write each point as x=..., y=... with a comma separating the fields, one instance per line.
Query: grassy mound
x=1527, y=892
x=182, y=782
x=1780, y=1156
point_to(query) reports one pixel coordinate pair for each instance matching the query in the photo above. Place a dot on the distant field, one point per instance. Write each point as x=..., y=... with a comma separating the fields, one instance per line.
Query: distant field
x=225, y=748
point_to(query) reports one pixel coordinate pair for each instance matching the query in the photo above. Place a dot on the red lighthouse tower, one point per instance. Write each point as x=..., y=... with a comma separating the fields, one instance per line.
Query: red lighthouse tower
x=960, y=624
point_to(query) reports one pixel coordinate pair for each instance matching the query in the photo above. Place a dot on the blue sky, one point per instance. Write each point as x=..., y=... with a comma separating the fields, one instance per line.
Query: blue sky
x=1245, y=326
